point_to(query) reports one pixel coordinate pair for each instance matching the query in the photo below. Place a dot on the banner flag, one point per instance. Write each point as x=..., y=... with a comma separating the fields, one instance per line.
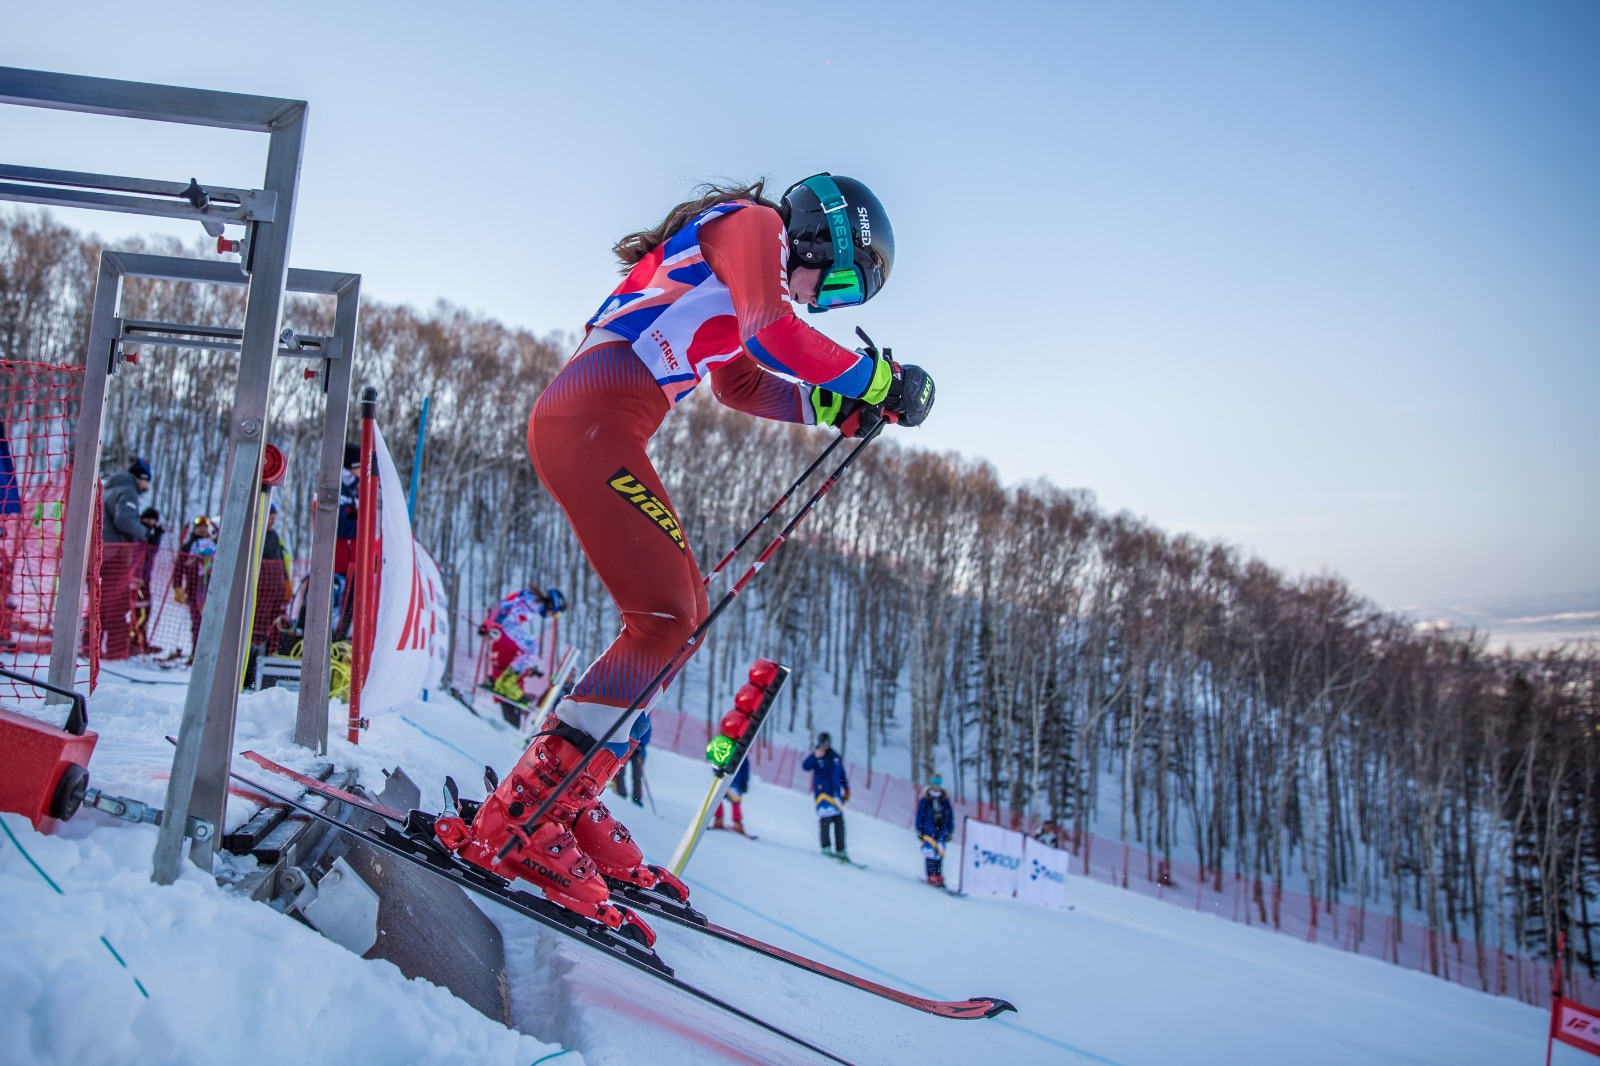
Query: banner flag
x=412, y=641
x=991, y=858
x=1043, y=877
x=1576, y=1025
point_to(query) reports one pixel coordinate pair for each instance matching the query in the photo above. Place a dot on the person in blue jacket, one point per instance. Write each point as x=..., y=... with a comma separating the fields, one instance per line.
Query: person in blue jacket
x=830, y=791
x=638, y=749
x=936, y=821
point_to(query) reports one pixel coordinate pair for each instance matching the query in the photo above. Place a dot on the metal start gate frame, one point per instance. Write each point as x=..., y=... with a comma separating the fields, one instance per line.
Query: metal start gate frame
x=198, y=784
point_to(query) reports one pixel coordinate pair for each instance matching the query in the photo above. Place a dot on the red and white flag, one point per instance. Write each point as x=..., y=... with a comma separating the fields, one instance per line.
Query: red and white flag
x=1576, y=1025
x=413, y=635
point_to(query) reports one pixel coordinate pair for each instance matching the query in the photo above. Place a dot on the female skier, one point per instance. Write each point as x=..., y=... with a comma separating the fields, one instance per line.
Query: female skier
x=706, y=293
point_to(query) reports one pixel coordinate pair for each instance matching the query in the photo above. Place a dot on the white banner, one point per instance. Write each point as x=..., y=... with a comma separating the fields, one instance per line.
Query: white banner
x=1043, y=877
x=413, y=631
x=991, y=858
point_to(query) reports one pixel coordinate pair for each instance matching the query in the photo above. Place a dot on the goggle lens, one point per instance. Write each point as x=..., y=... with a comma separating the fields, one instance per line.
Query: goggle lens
x=841, y=288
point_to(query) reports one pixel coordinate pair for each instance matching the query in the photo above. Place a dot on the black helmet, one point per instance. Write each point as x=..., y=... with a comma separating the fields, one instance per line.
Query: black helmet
x=836, y=224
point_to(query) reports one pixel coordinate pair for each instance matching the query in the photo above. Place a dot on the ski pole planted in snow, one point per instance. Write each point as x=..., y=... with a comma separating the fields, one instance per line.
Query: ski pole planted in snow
x=665, y=675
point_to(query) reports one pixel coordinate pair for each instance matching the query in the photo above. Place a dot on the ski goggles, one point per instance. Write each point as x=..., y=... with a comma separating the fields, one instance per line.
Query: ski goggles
x=844, y=284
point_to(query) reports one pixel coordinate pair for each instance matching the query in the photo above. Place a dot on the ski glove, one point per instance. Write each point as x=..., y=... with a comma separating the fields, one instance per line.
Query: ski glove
x=844, y=413
x=902, y=394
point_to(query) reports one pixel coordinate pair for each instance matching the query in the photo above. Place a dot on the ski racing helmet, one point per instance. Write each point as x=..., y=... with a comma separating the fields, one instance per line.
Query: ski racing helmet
x=834, y=223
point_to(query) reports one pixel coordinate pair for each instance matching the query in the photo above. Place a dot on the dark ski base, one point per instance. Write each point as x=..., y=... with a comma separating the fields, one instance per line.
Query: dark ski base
x=490, y=886
x=654, y=903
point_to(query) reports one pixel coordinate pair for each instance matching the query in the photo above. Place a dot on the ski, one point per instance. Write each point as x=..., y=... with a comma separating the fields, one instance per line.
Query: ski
x=844, y=861
x=735, y=832
x=550, y=915
x=682, y=914
x=322, y=788
x=648, y=902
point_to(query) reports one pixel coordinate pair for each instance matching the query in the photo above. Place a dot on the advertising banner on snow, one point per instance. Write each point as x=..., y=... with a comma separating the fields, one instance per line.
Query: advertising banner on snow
x=991, y=858
x=411, y=647
x=1043, y=877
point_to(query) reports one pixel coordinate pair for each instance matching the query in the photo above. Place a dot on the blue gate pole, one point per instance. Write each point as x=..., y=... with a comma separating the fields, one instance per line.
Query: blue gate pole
x=416, y=464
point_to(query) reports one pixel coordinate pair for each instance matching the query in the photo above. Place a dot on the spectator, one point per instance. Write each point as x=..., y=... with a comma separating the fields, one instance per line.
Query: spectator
x=193, y=576
x=830, y=791
x=736, y=790
x=935, y=824
x=640, y=738
x=516, y=626
x=123, y=537
x=139, y=639
x=274, y=586
x=344, y=545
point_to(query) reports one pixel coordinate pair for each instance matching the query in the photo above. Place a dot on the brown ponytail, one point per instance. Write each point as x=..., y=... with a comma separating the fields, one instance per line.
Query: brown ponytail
x=635, y=246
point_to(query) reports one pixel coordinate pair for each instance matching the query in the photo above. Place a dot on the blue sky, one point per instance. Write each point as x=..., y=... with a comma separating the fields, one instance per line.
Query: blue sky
x=1320, y=280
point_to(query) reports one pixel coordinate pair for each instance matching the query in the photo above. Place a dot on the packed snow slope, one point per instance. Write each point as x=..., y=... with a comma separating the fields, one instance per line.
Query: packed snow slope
x=1118, y=979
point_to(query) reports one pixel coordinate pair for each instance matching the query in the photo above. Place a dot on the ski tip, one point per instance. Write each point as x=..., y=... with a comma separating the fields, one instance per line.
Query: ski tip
x=977, y=1007
x=998, y=1007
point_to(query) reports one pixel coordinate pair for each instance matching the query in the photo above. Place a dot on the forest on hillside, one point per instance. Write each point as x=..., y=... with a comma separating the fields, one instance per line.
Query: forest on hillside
x=1278, y=727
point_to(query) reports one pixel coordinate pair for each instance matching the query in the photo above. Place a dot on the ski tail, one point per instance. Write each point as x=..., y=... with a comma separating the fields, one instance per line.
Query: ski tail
x=322, y=788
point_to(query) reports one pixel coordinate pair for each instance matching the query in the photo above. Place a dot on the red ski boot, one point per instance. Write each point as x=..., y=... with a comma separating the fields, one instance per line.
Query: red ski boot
x=608, y=842
x=550, y=855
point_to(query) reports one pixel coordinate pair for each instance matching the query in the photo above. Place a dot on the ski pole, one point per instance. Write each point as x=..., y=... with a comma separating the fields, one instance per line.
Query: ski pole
x=788, y=492
x=644, y=779
x=692, y=644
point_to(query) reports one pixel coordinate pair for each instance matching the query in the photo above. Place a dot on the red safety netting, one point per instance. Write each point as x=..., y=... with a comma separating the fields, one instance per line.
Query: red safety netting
x=152, y=600
x=39, y=409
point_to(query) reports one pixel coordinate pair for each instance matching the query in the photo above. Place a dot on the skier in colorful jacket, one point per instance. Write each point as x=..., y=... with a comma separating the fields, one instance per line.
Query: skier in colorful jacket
x=830, y=791
x=707, y=293
x=516, y=626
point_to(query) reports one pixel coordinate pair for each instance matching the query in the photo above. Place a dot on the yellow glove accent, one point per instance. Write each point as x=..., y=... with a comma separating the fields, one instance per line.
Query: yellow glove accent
x=509, y=685
x=180, y=595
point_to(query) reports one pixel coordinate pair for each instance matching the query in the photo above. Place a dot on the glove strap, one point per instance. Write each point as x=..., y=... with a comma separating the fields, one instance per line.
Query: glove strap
x=883, y=380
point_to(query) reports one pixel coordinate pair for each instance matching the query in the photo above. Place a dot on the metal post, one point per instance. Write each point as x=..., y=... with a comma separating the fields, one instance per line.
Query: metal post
x=364, y=564
x=77, y=525
x=198, y=784
x=416, y=466
x=311, y=718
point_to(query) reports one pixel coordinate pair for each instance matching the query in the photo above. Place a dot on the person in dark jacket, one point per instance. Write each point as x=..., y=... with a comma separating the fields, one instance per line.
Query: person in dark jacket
x=936, y=821
x=344, y=543
x=139, y=639
x=122, y=538
x=274, y=586
x=830, y=791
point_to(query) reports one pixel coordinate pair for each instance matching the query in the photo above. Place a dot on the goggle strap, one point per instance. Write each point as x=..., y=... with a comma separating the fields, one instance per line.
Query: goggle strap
x=833, y=208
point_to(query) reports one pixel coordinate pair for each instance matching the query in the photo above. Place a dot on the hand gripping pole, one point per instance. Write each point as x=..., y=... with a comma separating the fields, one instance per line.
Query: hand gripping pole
x=692, y=645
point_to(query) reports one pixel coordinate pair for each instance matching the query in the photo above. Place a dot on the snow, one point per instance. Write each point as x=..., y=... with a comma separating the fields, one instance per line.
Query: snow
x=1118, y=979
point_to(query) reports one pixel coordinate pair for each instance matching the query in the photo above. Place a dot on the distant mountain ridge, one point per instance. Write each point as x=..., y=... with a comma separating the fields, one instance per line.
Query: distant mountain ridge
x=1527, y=623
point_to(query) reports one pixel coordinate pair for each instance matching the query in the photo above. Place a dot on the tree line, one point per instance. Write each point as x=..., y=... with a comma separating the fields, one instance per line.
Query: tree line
x=1062, y=664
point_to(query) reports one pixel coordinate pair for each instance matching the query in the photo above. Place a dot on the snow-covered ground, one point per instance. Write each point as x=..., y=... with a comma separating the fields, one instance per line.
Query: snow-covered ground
x=1117, y=979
